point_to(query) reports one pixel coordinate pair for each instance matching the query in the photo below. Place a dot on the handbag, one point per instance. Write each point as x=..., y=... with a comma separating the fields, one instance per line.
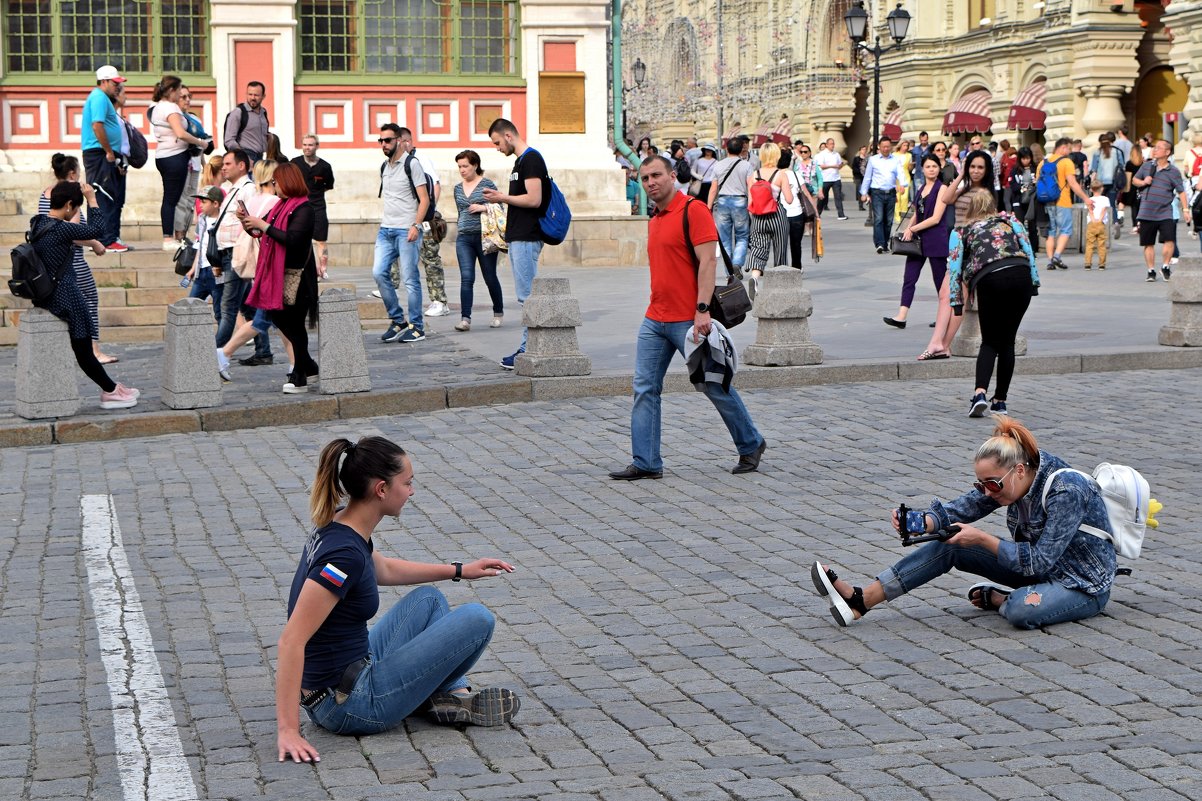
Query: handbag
x=292, y=282
x=817, y=247
x=730, y=302
x=184, y=257
x=903, y=247
x=212, y=253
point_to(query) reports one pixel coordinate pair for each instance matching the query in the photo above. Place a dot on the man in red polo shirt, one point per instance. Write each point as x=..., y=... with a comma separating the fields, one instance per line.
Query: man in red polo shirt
x=682, y=283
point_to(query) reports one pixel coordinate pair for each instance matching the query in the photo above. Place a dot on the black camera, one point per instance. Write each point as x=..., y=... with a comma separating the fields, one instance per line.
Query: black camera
x=912, y=526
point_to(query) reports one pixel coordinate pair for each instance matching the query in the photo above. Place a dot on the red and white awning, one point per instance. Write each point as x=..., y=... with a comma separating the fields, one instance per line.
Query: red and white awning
x=892, y=127
x=733, y=132
x=969, y=114
x=1029, y=110
x=762, y=135
x=780, y=134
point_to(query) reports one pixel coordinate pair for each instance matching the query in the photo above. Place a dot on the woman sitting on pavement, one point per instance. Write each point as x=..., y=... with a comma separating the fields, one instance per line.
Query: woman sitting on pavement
x=932, y=223
x=287, y=248
x=54, y=240
x=990, y=257
x=353, y=681
x=1057, y=571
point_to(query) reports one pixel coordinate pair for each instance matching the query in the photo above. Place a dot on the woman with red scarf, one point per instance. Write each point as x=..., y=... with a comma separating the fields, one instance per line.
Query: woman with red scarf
x=286, y=276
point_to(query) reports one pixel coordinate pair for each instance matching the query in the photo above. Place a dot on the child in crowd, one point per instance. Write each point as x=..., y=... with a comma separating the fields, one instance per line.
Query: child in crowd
x=1096, y=232
x=204, y=283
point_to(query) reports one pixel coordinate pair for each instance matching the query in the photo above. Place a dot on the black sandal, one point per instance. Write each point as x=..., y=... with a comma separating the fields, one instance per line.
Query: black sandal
x=977, y=592
x=841, y=608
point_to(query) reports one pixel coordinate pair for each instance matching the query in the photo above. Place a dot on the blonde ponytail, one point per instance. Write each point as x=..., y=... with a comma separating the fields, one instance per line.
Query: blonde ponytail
x=1011, y=443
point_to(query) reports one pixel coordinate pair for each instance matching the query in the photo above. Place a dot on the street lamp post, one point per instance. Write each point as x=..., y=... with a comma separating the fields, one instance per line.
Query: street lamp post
x=639, y=71
x=856, y=20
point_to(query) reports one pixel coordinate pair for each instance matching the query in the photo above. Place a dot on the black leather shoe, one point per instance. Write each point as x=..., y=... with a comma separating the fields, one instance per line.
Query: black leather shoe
x=750, y=463
x=632, y=473
x=256, y=361
x=894, y=322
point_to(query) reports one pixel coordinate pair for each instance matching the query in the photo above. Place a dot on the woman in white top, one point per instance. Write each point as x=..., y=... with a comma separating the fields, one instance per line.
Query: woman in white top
x=795, y=211
x=703, y=170
x=770, y=229
x=171, y=153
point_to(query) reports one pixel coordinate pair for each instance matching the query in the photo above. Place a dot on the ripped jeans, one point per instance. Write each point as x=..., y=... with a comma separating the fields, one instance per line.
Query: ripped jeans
x=1031, y=605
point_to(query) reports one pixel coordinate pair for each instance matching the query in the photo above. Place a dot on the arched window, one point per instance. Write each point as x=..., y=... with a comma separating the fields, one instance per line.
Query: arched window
x=409, y=37
x=53, y=37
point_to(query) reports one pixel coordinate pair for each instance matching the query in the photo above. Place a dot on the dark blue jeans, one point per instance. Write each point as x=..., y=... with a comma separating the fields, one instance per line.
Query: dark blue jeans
x=469, y=249
x=174, y=171
x=110, y=191
x=206, y=286
x=883, y=203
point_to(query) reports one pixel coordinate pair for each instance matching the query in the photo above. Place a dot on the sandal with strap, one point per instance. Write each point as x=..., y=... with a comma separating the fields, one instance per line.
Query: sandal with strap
x=981, y=595
x=931, y=355
x=842, y=609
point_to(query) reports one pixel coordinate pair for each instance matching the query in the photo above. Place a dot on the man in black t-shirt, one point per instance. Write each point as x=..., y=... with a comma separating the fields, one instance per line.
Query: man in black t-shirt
x=527, y=198
x=319, y=177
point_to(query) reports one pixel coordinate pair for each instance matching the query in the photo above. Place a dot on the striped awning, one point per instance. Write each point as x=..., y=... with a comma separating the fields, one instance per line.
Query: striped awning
x=762, y=135
x=1029, y=110
x=892, y=127
x=733, y=132
x=969, y=114
x=780, y=134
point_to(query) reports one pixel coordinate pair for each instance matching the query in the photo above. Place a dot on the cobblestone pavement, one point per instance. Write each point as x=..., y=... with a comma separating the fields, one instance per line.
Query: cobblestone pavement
x=663, y=634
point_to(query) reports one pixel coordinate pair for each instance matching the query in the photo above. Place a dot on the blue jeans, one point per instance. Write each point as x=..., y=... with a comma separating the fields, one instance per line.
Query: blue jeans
x=418, y=648
x=883, y=203
x=734, y=227
x=468, y=250
x=658, y=343
x=206, y=286
x=1060, y=221
x=393, y=244
x=1032, y=604
x=231, y=298
x=523, y=258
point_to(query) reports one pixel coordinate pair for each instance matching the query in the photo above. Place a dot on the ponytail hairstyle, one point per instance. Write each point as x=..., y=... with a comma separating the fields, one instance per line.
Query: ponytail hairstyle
x=166, y=84
x=63, y=165
x=1012, y=443
x=347, y=469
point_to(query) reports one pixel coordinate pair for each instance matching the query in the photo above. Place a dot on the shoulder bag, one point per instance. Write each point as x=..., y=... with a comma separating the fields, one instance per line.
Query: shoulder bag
x=730, y=302
x=184, y=257
x=913, y=246
x=212, y=252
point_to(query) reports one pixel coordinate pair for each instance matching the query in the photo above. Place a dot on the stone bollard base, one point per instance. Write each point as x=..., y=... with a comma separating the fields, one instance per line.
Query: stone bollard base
x=782, y=310
x=968, y=338
x=190, y=379
x=46, y=382
x=551, y=316
x=1185, y=315
x=342, y=356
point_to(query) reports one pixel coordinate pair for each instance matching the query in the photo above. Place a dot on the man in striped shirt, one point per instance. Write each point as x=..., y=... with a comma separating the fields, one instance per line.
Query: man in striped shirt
x=1161, y=181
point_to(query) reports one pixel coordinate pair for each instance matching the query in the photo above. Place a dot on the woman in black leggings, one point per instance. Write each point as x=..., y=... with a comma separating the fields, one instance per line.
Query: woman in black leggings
x=54, y=241
x=990, y=257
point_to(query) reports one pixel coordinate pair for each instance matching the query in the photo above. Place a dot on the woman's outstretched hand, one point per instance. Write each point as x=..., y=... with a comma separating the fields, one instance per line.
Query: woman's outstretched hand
x=486, y=568
x=291, y=744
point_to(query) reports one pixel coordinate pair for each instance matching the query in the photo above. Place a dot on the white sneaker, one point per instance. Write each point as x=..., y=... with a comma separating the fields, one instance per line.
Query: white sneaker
x=120, y=398
x=375, y=293
x=437, y=309
x=170, y=245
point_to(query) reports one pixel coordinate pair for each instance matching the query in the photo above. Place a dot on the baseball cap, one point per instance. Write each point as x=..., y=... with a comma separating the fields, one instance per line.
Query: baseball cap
x=212, y=193
x=109, y=73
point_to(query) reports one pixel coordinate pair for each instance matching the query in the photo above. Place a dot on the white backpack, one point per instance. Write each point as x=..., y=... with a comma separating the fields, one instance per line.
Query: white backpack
x=1127, y=499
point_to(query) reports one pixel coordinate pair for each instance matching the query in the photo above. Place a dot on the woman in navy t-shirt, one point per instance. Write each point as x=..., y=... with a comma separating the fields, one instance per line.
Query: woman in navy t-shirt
x=348, y=679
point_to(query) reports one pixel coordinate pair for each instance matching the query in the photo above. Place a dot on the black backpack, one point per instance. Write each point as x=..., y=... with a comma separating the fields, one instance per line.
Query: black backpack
x=241, y=107
x=138, y=150
x=31, y=279
x=684, y=174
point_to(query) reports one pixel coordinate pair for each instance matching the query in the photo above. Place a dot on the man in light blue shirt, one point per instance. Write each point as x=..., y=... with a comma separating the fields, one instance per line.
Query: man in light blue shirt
x=100, y=140
x=881, y=177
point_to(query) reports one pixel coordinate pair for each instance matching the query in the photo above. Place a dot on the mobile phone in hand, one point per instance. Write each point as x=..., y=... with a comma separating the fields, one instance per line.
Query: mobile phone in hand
x=242, y=207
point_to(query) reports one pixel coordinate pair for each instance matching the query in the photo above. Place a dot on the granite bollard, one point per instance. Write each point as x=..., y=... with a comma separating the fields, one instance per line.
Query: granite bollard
x=1185, y=315
x=341, y=354
x=782, y=310
x=46, y=383
x=552, y=316
x=190, y=379
x=968, y=338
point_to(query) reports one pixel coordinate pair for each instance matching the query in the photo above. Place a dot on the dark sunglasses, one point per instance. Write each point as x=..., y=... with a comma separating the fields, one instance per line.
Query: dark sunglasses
x=386, y=141
x=992, y=484
x=804, y=152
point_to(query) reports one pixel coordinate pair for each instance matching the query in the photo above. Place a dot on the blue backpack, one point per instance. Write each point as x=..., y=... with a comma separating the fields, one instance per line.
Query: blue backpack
x=558, y=217
x=1047, y=188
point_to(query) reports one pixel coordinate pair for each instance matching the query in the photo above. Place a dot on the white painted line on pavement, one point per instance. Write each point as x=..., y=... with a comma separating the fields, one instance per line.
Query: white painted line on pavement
x=149, y=753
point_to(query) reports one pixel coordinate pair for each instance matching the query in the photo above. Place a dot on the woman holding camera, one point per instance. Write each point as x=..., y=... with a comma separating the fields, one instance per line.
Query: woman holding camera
x=353, y=681
x=1058, y=572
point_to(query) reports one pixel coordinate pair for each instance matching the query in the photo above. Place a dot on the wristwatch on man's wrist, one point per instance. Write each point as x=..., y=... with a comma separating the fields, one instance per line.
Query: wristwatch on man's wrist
x=458, y=571
x=703, y=307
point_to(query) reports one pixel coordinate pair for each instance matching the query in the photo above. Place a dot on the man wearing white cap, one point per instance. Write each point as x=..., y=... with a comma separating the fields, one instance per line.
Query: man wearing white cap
x=100, y=137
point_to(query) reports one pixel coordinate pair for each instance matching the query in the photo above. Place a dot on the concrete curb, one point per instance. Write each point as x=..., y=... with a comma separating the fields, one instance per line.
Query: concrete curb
x=520, y=390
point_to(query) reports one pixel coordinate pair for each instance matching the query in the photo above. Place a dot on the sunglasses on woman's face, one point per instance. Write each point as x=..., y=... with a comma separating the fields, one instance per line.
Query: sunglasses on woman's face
x=992, y=484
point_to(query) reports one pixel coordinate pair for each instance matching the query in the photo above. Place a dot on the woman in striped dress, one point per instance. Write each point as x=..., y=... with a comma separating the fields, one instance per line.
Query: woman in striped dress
x=66, y=168
x=769, y=230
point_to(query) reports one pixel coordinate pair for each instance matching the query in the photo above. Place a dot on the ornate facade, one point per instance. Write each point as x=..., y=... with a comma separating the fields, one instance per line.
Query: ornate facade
x=1027, y=70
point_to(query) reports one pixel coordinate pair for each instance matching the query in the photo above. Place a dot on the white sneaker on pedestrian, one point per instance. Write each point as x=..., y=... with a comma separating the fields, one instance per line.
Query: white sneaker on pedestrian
x=375, y=293
x=437, y=309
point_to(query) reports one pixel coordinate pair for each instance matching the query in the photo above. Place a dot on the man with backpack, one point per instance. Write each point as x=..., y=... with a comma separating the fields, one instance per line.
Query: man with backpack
x=430, y=258
x=1161, y=182
x=406, y=200
x=528, y=198
x=100, y=139
x=1055, y=185
x=246, y=126
x=682, y=286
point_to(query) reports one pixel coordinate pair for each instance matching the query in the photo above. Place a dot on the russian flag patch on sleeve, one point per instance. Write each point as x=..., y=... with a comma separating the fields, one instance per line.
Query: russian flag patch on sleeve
x=333, y=575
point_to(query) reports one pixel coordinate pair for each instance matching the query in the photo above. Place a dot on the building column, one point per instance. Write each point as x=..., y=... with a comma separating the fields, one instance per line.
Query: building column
x=255, y=47
x=1104, y=68
x=1103, y=112
x=1184, y=18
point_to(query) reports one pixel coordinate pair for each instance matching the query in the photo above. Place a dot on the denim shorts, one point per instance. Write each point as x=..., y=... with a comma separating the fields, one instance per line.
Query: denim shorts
x=1060, y=221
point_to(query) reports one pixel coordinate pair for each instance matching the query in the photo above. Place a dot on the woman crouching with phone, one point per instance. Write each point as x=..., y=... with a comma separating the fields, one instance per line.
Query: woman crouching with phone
x=353, y=681
x=1059, y=572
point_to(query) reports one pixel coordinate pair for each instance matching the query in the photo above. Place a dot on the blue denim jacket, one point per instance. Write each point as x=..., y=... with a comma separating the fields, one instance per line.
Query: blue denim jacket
x=1048, y=545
